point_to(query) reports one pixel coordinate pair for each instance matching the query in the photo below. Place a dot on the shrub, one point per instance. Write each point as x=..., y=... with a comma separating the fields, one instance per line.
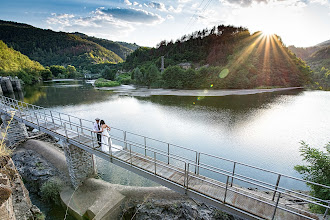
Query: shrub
x=317, y=170
x=105, y=83
x=50, y=190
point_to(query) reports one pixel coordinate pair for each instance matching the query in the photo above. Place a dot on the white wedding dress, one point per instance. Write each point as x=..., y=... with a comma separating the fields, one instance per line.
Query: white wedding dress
x=106, y=142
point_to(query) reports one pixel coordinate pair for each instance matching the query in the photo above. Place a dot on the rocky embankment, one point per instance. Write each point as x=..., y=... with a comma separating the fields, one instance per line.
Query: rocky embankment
x=15, y=203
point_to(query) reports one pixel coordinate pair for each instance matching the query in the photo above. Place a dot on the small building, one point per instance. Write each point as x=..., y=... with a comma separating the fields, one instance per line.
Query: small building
x=185, y=65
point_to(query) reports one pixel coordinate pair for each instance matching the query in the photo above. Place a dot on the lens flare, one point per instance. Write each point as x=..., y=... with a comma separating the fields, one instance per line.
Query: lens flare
x=224, y=73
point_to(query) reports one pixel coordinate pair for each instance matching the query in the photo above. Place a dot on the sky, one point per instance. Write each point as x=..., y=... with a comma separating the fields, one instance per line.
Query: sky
x=301, y=23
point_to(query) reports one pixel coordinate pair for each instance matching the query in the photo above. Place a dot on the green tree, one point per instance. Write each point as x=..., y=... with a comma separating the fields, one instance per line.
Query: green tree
x=71, y=71
x=317, y=170
x=138, y=76
x=46, y=74
x=57, y=70
x=109, y=74
x=152, y=75
x=174, y=76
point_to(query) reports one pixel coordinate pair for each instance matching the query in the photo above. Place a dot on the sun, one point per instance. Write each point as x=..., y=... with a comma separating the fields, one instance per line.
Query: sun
x=267, y=33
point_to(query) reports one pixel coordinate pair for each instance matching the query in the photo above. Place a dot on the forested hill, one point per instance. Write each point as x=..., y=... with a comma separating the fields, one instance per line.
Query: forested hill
x=13, y=63
x=56, y=48
x=122, y=49
x=318, y=58
x=231, y=56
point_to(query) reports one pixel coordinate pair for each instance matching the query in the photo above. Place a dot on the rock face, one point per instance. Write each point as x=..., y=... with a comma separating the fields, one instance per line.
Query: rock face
x=172, y=210
x=33, y=168
x=18, y=205
x=17, y=130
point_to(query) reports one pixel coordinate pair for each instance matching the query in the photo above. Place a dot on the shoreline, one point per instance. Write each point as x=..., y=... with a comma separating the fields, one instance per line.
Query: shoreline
x=145, y=92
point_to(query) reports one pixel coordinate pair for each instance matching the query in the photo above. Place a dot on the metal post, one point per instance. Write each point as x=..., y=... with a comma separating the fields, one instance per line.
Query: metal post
x=278, y=199
x=232, y=178
x=187, y=176
x=92, y=139
x=224, y=198
x=35, y=114
x=110, y=149
x=199, y=159
x=277, y=182
x=66, y=132
x=70, y=122
x=51, y=115
x=168, y=153
x=59, y=115
x=20, y=112
x=155, y=161
x=125, y=139
x=80, y=124
x=196, y=162
x=130, y=153
x=326, y=211
x=145, y=146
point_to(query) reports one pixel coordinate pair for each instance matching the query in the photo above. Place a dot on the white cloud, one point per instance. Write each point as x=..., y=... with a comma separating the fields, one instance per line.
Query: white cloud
x=175, y=10
x=135, y=3
x=170, y=17
x=156, y=5
x=127, y=2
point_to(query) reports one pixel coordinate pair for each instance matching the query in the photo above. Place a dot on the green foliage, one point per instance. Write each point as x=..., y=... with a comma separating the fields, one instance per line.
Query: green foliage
x=54, y=48
x=105, y=83
x=317, y=170
x=46, y=74
x=50, y=190
x=108, y=73
x=151, y=75
x=58, y=71
x=234, y=58
x=124, y=79
x=13, y=63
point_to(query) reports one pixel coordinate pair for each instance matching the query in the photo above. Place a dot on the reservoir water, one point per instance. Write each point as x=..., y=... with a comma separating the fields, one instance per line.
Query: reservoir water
x=262, y=130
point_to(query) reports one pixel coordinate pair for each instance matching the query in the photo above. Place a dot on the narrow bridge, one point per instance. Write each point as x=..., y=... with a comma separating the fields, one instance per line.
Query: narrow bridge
x=178, y=168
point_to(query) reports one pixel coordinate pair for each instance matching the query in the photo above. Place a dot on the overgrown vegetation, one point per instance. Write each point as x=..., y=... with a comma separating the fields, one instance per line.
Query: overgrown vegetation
x=105, y=83
x=316, y=170
x=50, y=190
x=5, y=152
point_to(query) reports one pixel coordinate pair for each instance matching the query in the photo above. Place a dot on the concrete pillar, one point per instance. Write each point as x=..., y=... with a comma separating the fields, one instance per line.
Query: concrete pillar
x=80, y=163
x=17, y=130
x=16, y=84
x=6, y=85
x=1, y=93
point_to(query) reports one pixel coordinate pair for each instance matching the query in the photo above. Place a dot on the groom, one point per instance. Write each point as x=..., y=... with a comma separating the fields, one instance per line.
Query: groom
x=97, y=129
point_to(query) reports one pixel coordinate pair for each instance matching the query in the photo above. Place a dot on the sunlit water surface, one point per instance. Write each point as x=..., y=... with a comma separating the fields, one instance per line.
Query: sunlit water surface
x=262, y=130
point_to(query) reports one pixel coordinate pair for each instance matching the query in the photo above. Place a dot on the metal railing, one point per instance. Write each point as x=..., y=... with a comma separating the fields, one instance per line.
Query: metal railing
x=191, y=163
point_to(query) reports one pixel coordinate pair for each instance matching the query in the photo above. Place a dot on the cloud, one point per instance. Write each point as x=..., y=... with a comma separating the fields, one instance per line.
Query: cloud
x=135, y=3
x=170, y=17
x=175, y=10
x=63, y=19
x=247, y=3
x=127, y=2
x=132, y=15
x=156, y=5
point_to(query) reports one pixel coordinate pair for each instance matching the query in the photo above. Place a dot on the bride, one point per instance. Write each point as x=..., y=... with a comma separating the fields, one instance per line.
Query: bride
x=106, y=140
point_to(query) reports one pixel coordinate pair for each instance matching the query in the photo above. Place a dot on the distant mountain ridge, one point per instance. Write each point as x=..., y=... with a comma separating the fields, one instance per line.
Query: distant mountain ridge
x=59, y=48
x=317, y=56
x=122, y=49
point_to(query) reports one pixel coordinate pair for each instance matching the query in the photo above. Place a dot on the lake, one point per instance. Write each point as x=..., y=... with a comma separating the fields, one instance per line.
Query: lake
x=262, y=130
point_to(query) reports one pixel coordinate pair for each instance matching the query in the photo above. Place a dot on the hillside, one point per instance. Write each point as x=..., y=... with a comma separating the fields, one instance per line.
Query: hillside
x=233, y=58
x=54, y=48
x=122, y=49
x=318, y=58
x=13, y=63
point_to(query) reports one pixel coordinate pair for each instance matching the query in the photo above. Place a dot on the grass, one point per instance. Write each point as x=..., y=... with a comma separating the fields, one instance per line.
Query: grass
x=4, y=151
x=106, y=83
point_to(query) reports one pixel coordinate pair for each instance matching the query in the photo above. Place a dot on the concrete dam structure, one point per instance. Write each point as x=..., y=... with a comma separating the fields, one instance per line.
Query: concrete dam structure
x=9, y=85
